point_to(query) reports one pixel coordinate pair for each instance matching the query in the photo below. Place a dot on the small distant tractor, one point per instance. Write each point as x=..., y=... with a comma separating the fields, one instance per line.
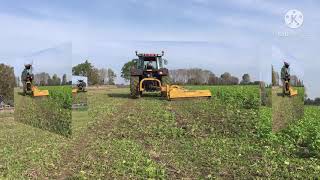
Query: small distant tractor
x=149, y=75
x=81, y=86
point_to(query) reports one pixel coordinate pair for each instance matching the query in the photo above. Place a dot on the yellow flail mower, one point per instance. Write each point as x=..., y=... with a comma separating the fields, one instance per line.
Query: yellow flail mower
x=37, y=92
x=74, y=90
x=30, y=89
x=178, y=92
x=149, y=75
x=288, y=90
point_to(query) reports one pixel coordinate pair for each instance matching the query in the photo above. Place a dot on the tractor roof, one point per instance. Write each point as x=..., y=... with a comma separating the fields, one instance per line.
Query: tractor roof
x=149, y=55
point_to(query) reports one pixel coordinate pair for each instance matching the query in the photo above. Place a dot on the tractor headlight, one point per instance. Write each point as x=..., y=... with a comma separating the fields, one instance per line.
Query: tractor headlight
x=160, y=72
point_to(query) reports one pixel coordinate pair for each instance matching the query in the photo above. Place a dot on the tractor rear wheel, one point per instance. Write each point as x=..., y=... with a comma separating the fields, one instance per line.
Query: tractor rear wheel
x=134, y=87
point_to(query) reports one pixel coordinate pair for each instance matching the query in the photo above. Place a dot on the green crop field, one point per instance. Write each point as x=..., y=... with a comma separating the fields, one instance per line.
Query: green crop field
x=294, y=151
x=79, y=98
x=51, y=113
x=228, y=137
x=6, y=113
x=286, y=110
x=80, y=101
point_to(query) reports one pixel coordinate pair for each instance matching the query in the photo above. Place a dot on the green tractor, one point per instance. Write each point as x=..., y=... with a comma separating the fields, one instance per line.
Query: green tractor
x=148, y=74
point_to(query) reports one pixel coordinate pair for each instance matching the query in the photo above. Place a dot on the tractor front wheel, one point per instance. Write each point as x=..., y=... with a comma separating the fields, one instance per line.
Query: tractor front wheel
x=134, y=87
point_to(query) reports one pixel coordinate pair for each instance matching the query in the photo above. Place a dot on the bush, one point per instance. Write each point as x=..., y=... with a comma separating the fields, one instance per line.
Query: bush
x=51, y=113
x=7, y=84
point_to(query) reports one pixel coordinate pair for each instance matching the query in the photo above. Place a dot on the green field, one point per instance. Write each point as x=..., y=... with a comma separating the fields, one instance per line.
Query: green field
x=225, y=137
x=80, y=101
x=51, y=113
x=6, y=113
x=286, y=110
x=294, y=151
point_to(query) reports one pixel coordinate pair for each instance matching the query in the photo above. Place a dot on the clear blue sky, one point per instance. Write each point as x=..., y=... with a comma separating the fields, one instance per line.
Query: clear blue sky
x=234, y=35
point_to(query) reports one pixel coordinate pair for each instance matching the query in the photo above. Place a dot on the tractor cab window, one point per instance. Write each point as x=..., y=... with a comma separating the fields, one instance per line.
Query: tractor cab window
x=28, y=71
x=150, y=63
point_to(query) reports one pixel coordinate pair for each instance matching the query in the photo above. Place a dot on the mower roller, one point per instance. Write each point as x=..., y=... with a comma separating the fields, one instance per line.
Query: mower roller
x=149, y=75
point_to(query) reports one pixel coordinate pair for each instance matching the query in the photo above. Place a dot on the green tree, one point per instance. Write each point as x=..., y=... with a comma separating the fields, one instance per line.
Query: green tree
x=103, y=75
x=226, y=78
x=56, y=80
x=64, y=79
x=126, y=68
x=111, y=76
x=50, y=82
x=93, y=77
x=82, y=69
x=246, y=79
x=213, y=80
x=88, y=70
x=274, y=77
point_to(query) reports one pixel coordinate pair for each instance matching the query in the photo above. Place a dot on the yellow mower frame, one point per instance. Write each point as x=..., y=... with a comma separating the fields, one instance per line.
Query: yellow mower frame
x=178, y=92
x=175, y=91
x=37, y=92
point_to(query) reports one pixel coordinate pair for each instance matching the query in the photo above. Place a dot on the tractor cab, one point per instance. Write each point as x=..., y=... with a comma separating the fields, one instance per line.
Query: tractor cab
x=150, y=64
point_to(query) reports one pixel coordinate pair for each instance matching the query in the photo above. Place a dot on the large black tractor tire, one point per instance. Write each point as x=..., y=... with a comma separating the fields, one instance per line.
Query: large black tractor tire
x=134, y=87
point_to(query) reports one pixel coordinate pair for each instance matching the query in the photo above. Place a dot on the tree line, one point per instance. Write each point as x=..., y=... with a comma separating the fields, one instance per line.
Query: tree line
x=198, y=76
x=95, y=75
x=44, y=79
x=315, y=102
